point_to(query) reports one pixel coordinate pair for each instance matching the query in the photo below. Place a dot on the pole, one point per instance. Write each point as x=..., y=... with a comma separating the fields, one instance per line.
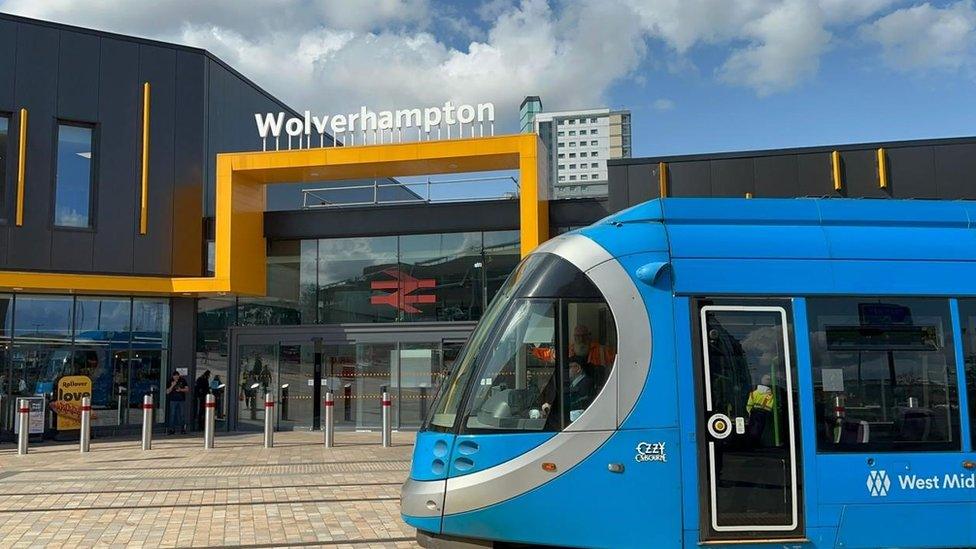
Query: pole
x=268, y=420
x=121, y=410
x=23, y=418
x=85, y=424
x=209, y=407
x=386, y=420
x=329, y=419
x=147, y=419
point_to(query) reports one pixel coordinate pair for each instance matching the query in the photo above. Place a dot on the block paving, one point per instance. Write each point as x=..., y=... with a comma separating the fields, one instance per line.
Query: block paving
x=297, y=494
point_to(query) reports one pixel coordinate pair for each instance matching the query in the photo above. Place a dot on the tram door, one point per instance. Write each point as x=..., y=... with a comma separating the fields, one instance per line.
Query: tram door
x=749, y=448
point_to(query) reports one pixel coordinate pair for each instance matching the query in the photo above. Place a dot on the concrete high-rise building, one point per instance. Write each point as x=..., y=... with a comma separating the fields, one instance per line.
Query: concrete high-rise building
x=579, y=144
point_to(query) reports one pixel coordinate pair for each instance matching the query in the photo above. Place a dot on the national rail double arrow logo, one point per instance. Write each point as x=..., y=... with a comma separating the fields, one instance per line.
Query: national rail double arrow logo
x=403, y=286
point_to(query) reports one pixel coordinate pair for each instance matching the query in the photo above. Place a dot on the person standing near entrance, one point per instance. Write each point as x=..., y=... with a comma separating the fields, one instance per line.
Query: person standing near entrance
x=176, y=392
x=200, y=391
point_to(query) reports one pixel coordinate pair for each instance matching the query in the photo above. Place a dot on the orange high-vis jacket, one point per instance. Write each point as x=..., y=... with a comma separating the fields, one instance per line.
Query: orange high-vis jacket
x=598, y=355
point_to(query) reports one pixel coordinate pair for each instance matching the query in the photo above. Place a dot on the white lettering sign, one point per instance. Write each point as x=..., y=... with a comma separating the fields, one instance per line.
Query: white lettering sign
x=378, y=124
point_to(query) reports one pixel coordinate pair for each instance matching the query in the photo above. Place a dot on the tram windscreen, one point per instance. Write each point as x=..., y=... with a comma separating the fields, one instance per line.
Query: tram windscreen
x=537, y=359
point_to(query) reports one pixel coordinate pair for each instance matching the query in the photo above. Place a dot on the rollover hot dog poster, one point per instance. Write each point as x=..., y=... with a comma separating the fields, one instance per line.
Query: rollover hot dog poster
x=67, y=400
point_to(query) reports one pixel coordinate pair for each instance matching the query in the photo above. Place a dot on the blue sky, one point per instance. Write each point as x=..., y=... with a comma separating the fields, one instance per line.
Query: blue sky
x=698, y=75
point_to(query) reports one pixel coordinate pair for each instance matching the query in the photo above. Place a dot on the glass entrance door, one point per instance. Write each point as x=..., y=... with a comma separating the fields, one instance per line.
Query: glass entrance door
x=257, y=374
x=750, y=444
x=296, y=383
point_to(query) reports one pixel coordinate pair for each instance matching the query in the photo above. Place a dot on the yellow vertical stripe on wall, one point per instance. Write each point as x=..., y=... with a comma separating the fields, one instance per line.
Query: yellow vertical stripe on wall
x=21, y=167
x=144, y=197
x=662, y=179
x=835, y=171
x=882, y=169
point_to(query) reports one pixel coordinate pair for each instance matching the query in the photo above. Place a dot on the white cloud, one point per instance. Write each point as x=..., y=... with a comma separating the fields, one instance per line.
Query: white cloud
x=924, y=37
x=663, y=104
x=335, y=56
x=785, y=47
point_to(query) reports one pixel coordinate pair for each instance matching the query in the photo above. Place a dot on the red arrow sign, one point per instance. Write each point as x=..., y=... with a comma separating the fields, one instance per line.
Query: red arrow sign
x=403, y=286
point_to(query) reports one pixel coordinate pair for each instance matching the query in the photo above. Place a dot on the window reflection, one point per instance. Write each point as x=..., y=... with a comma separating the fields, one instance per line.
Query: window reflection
x=4, y=153
x=348, y=270
x=72, y=206
x=116, y=346
x=884, y=374
x=428, y=277
x=967, y=317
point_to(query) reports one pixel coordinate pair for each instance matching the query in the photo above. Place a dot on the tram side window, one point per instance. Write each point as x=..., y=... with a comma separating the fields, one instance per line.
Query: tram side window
x=884, y=374
x=967, y=317
x=591, y=349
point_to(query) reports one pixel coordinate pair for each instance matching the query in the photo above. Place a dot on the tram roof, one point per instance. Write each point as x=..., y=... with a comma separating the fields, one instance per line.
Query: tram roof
x=819, y=245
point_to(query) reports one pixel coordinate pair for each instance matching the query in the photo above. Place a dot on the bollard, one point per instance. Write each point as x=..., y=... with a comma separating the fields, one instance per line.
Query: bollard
x=85, y=424
x=268, y=420
x=329, y=420
x=209, y=406
x=23, y=419
x=147, y=419
x=122, y=409
x=386, y=420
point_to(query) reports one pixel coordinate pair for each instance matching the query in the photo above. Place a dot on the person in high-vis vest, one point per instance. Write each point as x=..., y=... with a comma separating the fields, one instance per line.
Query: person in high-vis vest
x=583, y=346
x=759, y=406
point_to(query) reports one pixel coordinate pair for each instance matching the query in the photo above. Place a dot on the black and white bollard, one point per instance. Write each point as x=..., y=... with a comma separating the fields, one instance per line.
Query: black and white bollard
x=329, y=419
x=209, y=407
x=387, y=420
x=147, y=421
x=23, y=425
x=268, y=420
x=85, y=424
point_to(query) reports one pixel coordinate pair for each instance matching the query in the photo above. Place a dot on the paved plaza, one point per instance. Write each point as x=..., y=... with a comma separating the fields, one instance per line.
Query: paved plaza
x=297, y=494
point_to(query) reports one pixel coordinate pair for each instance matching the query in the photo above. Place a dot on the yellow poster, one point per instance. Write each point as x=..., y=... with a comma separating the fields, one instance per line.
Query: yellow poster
x=67, y=400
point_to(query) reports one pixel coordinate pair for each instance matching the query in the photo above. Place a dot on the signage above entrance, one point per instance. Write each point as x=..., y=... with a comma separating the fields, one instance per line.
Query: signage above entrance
x=397, y=124
x=403, y=285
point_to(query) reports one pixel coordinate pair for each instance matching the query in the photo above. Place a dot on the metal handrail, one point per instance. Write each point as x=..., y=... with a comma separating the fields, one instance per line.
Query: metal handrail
x=377, y=185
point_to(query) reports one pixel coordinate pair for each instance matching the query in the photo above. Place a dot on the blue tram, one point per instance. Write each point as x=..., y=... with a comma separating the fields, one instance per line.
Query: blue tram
x=747, y=372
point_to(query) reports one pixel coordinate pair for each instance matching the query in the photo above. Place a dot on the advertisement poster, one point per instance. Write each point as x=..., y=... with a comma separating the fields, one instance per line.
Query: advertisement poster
x=35, y=425
x=67, y=400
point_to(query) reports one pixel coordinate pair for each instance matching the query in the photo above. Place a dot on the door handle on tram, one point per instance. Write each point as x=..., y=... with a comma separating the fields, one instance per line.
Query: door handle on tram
x=968, y=464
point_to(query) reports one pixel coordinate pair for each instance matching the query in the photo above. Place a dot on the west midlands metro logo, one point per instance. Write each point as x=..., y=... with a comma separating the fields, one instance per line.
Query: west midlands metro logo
x=878, y=483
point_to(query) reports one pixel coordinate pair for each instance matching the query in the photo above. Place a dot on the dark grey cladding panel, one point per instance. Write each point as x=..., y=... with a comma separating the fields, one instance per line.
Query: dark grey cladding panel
x=642, y=184
x=36, y=89
x=577, y=212
x=8, y=65
x=733, y=177
x=813, y=175
x=912, y=172
x=689, y=178
x=153, y=251
x=71, y=250
x=618, y=192
x=190, y=159
x=393, y=220
x=776, y=176
x=859, y=174
x=955, y=170
x=78, y=77
x=230, y=111
x=120, y=130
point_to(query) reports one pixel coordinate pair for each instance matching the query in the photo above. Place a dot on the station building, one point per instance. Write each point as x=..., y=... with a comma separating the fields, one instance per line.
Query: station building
x=146, y=228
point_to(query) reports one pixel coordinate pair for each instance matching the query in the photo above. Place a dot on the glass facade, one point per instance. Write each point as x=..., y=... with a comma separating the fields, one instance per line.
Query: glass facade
x=114, y=348
x=410, y=278
x=424, y=277
x=73, y=193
